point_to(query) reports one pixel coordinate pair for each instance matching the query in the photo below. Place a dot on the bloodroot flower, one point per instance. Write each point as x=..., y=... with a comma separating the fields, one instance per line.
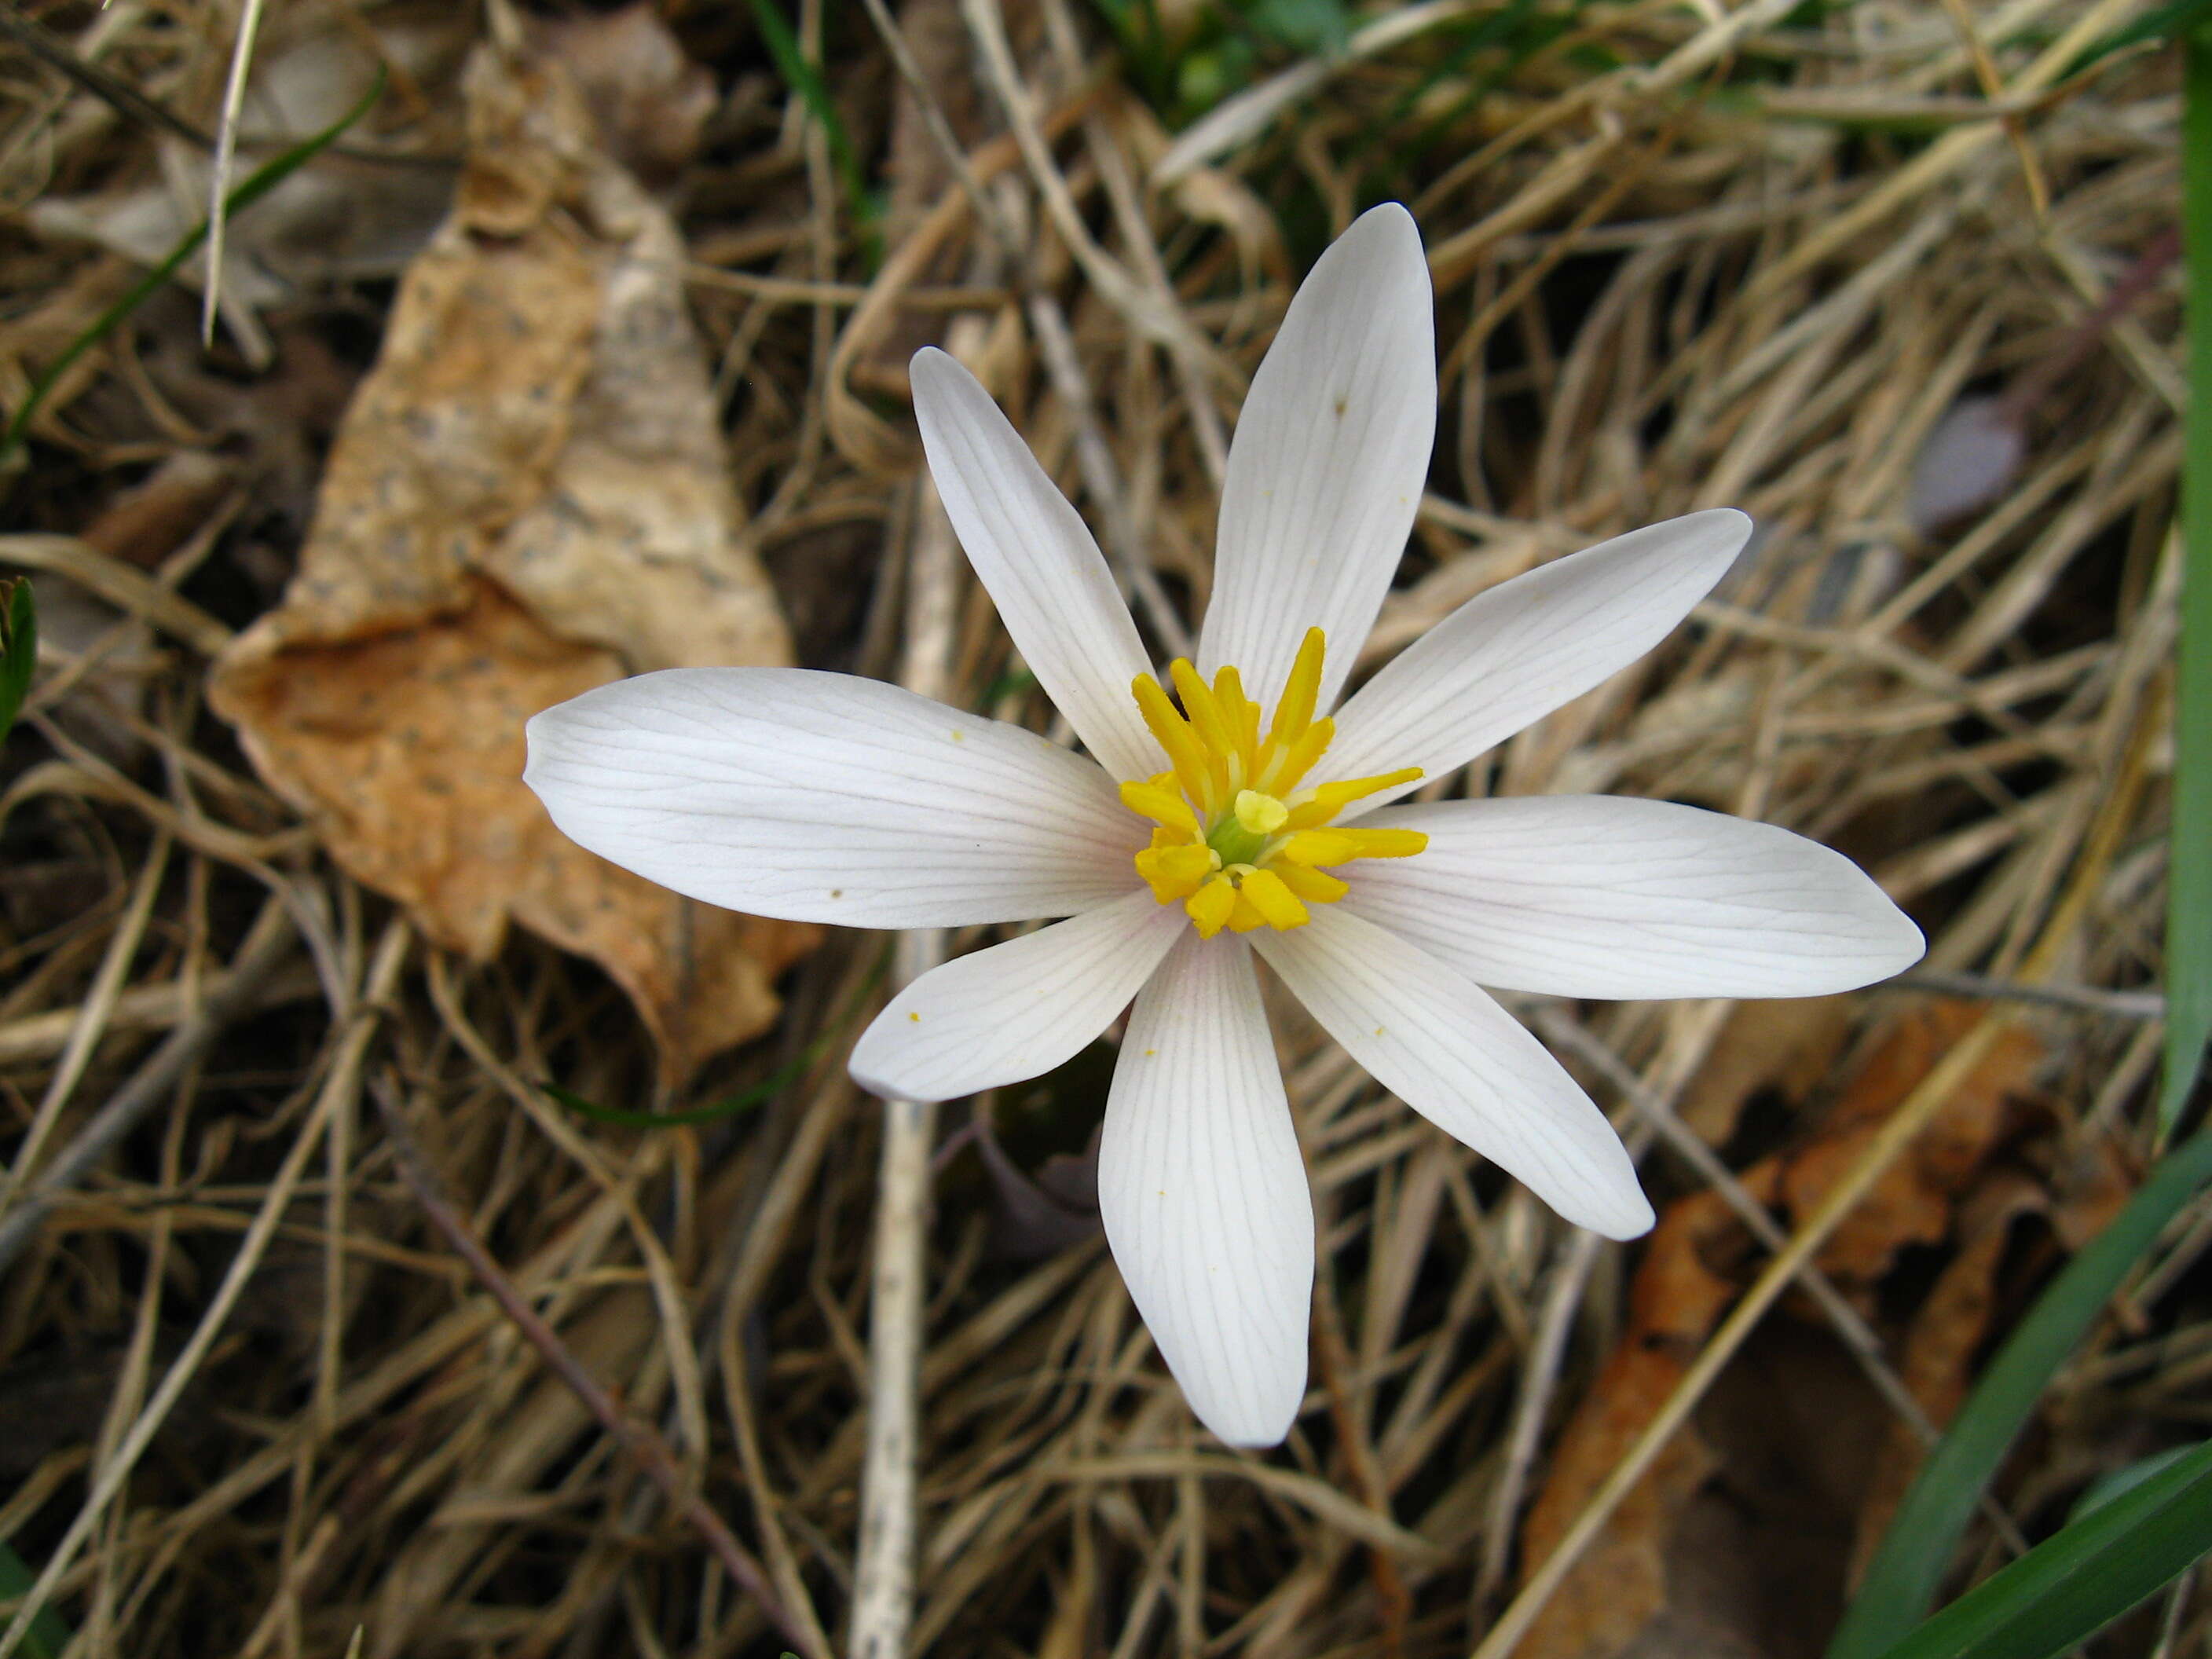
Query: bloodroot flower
x=1224, y=809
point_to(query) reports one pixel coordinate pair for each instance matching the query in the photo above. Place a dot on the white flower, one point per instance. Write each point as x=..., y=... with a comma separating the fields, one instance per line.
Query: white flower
x=1188, y=839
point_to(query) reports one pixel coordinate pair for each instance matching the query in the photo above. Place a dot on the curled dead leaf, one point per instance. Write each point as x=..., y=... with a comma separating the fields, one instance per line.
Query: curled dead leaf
x=528, y=497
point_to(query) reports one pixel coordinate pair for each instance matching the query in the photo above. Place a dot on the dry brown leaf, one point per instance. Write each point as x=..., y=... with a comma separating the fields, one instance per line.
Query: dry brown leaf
x=1911, y=1202
x=1947, y=1333
x=527, y=498
x=651, y=104
x=1787, y=1045
x=1698, y=1260
x=1621, y=1582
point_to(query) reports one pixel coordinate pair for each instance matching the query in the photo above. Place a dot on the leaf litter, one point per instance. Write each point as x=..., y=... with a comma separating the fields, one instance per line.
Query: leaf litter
x=527, y=498
x=638, y=398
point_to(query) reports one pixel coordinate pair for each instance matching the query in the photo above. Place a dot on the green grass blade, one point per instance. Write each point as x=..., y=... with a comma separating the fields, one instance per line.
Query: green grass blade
x=1906, y=1571
x=804, y=78
x=251, y=189
x=744, y=1100
x=2177, y=18
x=2189, y=875
x=19, y=649
x=2075, y=1583
x=48, y=1634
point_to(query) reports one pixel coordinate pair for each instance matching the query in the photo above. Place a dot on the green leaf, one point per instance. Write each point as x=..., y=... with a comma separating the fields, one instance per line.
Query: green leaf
x=2168, y=21
x=1906, y=1570
x=2073, y=1584
x=49, y=1634
x=1317, y=26
x=2189, y=874
x=19, y=648
x=255, y=186
x=2103, y=1490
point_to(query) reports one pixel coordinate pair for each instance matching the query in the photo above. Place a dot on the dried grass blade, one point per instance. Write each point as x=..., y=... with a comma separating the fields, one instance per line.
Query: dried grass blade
x=646, y=1447
x=344, y=1071
x=257, y=184
x=226, y=157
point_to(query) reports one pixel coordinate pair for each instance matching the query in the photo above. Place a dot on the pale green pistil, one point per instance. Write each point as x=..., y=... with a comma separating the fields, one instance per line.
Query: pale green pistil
x=1247, y=827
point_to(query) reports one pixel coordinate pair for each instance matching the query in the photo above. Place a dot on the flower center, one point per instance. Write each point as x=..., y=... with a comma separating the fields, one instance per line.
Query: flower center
x=1237, y=841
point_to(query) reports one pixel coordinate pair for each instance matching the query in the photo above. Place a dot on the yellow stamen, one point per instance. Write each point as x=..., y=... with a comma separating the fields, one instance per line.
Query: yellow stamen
x=1241, y=712
x=1314, y=886
x=1312, y=807
x=1312, y=846
x=1208, y=721
x=1271, y=899
x=1185, y=755
x=1162, y=805
x=1387, y=843
x=1211, y=906
x=1237, y=843
x=1311, y=743
x=1294, y=710
x=1181, y=867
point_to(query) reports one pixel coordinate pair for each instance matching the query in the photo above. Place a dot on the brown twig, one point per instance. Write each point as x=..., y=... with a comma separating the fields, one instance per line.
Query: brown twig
x=649, y=1450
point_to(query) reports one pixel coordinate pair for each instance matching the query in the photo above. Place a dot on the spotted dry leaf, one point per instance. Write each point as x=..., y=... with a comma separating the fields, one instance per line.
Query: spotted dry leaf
x=527, y=498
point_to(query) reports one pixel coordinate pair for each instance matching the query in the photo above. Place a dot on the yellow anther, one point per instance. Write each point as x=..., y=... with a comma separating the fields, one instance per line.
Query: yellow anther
x=1237, y=841
x=1312, y=807
x=1282, y=774
x=1240, y=711
x=1162, y=805
x=1185, y=755
x=1185, y=866
x=1260, y=814
x=1294, y=710
x=1340, y=846
x=1387, y=843
x=1274, y=902
x=1314, y=886
x=1211, y=906
x=1312, y=846
x=1207, y=721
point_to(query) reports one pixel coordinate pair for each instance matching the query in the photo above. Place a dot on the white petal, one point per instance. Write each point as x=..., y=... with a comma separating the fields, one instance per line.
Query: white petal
x=1510, y=656
x=824, y=797
x=1045, y=573
x=1204, y=1193
x=1437, y=1042
x=1600, y=896
x=1018, y=1009
x=1331, y=452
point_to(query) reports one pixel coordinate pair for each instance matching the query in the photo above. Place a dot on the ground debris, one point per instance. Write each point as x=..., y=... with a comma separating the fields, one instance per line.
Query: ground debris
x=1628, y=1597
x=526, y=499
